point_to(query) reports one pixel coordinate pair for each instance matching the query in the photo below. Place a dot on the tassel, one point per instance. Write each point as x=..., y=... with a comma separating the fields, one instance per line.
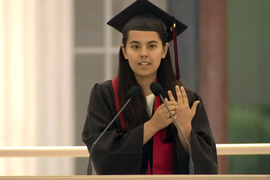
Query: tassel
x=177, y=70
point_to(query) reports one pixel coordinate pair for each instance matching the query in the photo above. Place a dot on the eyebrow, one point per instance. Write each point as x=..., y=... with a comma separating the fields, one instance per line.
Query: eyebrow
x=137, y=42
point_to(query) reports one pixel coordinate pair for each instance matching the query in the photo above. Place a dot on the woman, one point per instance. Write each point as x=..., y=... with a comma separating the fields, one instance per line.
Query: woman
x=145, y=140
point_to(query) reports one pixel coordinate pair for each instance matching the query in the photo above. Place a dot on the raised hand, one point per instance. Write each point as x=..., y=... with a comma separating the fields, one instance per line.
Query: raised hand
x=184, y=113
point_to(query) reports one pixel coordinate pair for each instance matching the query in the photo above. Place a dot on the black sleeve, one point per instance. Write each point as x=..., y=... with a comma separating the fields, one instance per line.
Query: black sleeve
x=203, y=146
x=117, y=152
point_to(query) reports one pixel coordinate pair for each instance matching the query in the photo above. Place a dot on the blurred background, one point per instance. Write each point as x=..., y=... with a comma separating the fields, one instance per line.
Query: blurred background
x=52, y=52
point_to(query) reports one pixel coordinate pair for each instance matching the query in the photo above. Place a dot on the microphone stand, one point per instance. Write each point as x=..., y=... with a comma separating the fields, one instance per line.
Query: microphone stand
x=190, y=164
x=89, y=171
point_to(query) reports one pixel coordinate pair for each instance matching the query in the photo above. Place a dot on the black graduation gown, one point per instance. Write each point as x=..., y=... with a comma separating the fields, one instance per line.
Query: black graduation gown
x=119, y=152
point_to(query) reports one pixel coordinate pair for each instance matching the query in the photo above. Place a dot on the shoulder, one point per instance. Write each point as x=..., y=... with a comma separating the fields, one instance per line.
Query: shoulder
x=192, y=95
x=103, y=87
x=105, y=84
x=102, y=94
x=104, y=90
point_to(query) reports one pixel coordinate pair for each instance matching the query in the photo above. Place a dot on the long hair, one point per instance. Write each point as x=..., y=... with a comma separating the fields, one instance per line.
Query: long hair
x=136, y=112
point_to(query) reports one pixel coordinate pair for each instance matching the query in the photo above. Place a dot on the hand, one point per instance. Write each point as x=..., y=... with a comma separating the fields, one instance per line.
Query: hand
x=184, y=113
x=162, y=117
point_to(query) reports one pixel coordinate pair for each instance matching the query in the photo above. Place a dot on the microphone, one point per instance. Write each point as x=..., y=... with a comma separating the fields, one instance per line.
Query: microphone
x=134, y=92
x=157, y=90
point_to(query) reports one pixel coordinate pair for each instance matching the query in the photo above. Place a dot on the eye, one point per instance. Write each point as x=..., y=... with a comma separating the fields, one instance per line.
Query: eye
x=151, y=46
x=135, y=47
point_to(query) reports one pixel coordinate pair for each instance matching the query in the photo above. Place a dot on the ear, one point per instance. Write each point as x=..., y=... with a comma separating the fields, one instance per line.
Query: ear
x=165, y=50
x=124, y=51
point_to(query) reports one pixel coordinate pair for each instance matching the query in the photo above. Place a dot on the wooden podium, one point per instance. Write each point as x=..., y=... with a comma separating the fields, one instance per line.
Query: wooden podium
x=142, y=177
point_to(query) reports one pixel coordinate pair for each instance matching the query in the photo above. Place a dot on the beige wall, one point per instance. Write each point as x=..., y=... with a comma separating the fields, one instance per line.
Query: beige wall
x=36, y=82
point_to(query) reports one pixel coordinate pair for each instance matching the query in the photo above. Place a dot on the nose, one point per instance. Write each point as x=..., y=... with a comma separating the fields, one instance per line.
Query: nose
x=144, y=52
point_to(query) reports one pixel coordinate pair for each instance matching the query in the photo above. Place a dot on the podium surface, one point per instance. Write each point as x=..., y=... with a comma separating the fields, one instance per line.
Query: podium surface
x=143, y=177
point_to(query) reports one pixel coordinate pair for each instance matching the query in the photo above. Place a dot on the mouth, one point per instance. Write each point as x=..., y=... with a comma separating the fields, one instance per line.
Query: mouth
x=144, y=63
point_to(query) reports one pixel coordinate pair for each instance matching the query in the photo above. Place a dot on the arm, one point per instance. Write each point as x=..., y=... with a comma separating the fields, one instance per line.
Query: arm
x=117, y=152
x=185, y=114
x=193, y=121
x=202, y=143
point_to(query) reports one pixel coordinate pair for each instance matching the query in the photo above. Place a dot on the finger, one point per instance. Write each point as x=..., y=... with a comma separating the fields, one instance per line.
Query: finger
x=171, y=119
x=168, y=114
x=171, y=103
x=163, y=109
x=166, y=101
x=194, y=106
x=179, y=95
x=172, y=106
x=171, y=96
x=184, y=95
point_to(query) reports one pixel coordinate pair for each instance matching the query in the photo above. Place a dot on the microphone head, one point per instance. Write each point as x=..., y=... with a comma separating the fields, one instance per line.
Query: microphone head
x=134, y=92
x=156, y=88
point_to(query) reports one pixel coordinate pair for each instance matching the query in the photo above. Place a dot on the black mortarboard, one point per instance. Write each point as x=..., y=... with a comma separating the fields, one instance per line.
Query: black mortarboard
x=145, y=16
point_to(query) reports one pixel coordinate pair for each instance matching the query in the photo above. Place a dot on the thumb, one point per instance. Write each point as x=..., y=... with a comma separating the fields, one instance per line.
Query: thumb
x=194, y=106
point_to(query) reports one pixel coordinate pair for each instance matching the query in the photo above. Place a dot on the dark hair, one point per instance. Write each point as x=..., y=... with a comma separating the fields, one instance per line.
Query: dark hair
x=136, y=112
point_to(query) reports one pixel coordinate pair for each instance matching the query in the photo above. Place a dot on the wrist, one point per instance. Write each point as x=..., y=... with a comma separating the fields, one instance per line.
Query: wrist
x=150, y=127
x=185, y=129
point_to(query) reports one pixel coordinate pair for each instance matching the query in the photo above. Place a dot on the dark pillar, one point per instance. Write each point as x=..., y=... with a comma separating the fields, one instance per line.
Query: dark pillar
x=213, y=68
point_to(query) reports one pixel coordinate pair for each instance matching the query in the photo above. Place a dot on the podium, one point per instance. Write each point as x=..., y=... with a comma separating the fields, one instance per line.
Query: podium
x=142, y=177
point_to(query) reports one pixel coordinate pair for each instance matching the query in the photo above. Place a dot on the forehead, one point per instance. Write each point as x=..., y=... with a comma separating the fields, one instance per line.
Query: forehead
x=143, y=36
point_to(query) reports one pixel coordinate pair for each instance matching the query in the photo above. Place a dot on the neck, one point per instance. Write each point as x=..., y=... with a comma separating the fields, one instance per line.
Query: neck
x=145, y=83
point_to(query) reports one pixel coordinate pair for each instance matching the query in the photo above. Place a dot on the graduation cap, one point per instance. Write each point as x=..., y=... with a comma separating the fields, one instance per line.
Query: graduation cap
x=144, y=16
